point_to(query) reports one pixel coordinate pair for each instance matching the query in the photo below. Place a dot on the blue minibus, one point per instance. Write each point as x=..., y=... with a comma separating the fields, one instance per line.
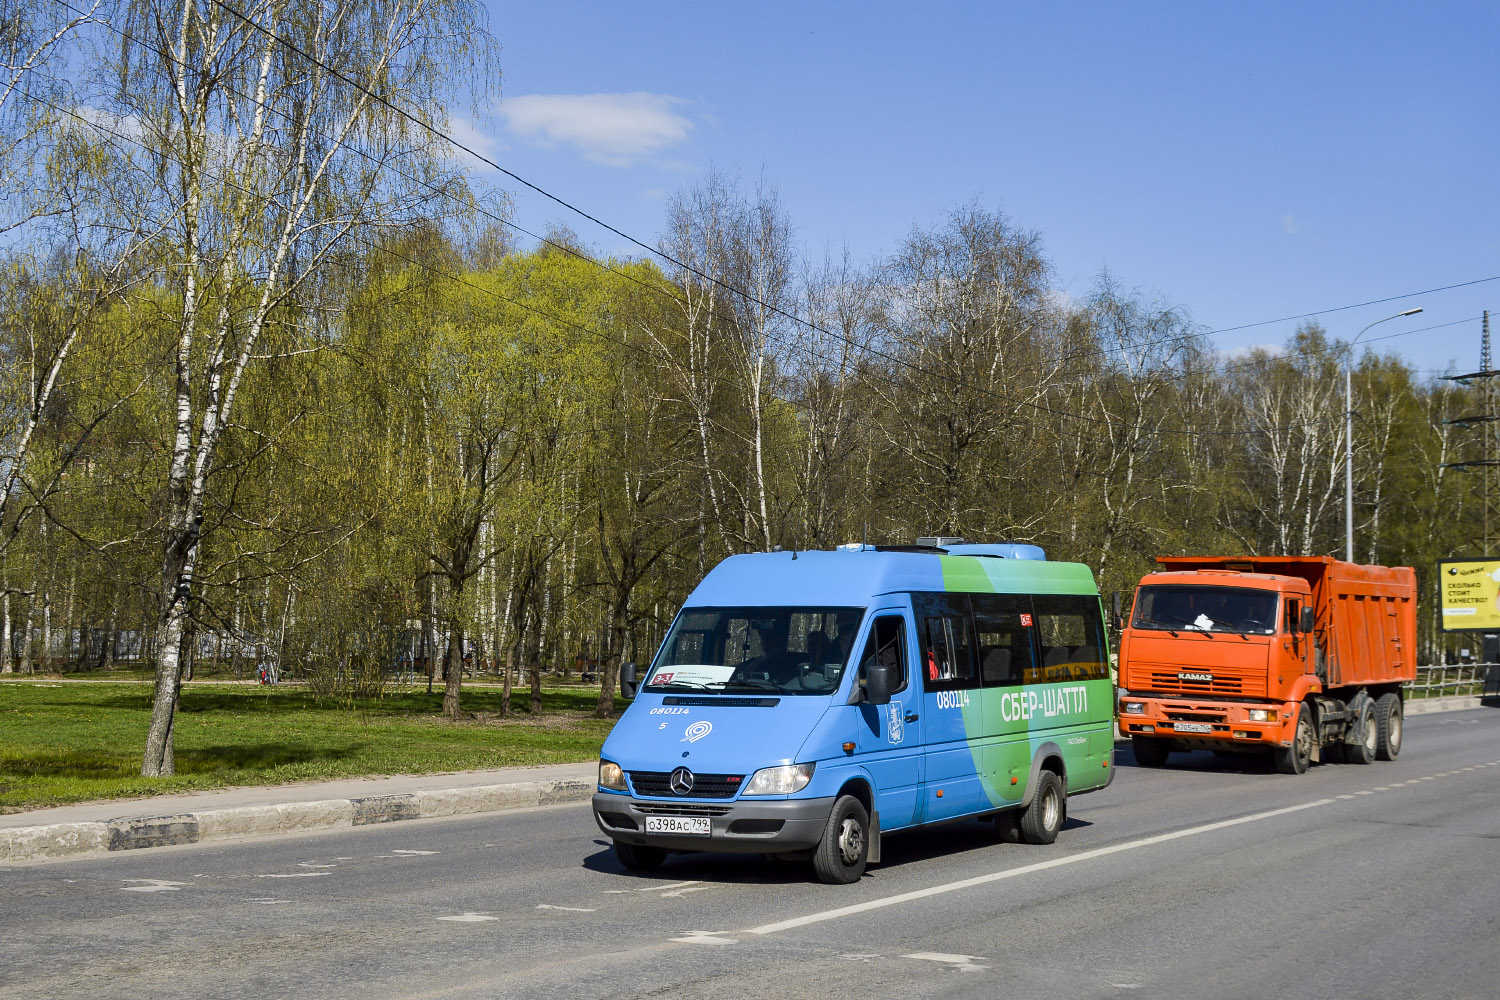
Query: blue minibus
x=809, y=703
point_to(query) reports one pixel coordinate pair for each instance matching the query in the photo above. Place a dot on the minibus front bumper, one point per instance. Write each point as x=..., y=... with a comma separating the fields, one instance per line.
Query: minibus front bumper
x=750, y=826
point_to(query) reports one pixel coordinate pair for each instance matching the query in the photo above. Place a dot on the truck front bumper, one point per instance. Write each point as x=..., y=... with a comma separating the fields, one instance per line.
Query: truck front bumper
x=1196, y=724
x=749, y=826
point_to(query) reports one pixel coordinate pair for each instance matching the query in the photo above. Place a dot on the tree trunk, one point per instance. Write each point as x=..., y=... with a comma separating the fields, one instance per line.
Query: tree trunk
x=454, y=669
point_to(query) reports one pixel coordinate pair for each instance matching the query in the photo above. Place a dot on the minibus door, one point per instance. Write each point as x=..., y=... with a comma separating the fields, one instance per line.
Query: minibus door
x=889, y=737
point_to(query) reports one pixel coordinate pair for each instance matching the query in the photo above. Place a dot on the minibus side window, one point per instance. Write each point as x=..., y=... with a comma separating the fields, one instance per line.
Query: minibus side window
x=1003, y=624
x=887, y=643
x=1070, y=632
x=947, y=647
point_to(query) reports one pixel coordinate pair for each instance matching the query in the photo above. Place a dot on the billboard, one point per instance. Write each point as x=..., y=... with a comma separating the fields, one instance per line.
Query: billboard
x=1469, y=592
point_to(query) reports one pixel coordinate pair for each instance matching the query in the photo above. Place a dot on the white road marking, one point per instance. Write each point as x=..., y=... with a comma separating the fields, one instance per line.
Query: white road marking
x=1098, y=852
x=1364, y=791
x=402, y=853
x=678, y=893
x=617, y=892
x=858, y=957
x=309, y=864
x=296, y=875
x=964, y=963
x=674, y=885
x=570, y=909
x=152, y=885
x=1126, y=986
x=1346, y=796
x=470, y=918
x=706, y=937
x=266, y=901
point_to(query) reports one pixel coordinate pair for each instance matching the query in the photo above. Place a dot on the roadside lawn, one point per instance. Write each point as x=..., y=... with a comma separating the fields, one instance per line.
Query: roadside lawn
x=66, y=742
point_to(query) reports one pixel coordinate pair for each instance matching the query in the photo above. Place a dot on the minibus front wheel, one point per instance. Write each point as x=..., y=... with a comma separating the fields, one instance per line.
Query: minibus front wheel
x=639, y=858
x=839, y=858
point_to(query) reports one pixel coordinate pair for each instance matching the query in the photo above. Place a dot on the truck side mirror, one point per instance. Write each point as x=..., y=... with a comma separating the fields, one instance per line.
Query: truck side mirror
x=1116, y=612
x=1309, y=619
x=628, y=683
x=878, y=683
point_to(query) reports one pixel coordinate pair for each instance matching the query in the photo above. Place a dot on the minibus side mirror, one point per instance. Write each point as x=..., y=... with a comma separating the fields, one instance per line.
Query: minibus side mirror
x=628, y=683
x=877, y=683
x=1309, y=619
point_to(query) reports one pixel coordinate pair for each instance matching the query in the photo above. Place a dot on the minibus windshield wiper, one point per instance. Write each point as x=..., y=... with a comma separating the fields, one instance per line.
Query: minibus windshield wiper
x=754, y=684
x=685, y=685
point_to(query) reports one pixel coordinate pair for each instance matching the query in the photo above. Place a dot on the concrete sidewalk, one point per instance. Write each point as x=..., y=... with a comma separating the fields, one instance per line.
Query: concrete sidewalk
x=160, y=821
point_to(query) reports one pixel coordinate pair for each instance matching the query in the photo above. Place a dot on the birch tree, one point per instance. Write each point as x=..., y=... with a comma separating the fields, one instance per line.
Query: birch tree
x=272, y=135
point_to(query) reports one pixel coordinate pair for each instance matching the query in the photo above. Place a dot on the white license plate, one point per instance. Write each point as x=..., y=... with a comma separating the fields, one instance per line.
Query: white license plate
x=678, y=826
x=1192, y=727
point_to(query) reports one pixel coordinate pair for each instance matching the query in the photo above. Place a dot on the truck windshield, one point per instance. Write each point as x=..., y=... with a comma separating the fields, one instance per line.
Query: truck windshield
x=1181, y=607
x=787, y=650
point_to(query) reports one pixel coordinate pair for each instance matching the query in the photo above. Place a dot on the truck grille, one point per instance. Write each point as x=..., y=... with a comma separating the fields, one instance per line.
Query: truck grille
x=1219, y=685
x=705, y=786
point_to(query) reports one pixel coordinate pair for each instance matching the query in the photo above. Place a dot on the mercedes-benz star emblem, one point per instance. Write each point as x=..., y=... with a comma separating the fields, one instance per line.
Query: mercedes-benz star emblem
x=681, y=781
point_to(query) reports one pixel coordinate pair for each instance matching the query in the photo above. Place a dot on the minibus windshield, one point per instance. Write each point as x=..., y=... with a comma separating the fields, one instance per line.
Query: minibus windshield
x=785, y=650
x=1206, y=609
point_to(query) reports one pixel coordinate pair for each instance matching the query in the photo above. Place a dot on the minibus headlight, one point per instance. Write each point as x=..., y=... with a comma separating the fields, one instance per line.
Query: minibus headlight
x=610, y=776
x=1262, y=715
x=783, y=780
x=1134, y=707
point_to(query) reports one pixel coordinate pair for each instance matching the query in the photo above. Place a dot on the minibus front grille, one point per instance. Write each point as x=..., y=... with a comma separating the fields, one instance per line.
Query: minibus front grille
x=673, y=809
x=705, y=786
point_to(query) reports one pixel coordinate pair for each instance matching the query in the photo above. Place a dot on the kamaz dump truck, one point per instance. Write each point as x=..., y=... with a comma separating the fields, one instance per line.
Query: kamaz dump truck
x=1302, y=657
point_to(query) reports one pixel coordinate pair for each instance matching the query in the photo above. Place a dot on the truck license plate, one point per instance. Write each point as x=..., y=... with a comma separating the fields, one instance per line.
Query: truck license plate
x=1192, y=727
x=678, y=826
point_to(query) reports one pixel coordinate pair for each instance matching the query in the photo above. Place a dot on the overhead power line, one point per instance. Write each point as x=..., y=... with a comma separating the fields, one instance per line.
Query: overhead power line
x=855, y=345
x=689, y=268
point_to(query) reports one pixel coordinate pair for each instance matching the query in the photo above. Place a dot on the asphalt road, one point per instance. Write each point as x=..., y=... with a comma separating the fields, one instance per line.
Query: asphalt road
x=1214, y=877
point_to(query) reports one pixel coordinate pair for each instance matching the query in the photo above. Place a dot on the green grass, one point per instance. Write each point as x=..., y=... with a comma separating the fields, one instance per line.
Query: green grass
x=66, y=742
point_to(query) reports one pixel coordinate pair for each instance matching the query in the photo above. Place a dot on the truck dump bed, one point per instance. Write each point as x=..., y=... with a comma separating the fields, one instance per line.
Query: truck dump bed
x=1366, y=615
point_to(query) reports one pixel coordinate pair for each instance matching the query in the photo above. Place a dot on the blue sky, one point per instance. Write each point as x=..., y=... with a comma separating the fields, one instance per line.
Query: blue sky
x=1246, y=162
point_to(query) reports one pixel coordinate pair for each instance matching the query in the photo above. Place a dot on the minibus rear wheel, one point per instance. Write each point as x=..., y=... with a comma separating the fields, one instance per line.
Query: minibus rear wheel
x=839, y=858
x=639, y=858
x=1041, y=820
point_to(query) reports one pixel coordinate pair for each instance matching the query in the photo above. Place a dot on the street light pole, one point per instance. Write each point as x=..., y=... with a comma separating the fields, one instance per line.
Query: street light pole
x=1349, y=435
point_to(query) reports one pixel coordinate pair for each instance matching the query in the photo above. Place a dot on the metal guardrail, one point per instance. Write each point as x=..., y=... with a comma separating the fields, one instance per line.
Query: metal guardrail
x=1451, y=681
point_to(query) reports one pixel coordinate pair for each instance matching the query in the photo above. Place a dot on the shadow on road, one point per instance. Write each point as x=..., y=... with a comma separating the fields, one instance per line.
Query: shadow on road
x=897, y=849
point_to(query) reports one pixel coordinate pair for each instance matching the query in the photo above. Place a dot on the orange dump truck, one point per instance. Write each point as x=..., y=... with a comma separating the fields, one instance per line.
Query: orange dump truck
x=1301, y=656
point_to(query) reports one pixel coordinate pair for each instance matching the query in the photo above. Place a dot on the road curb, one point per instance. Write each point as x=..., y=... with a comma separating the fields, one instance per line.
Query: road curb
x=59, y=840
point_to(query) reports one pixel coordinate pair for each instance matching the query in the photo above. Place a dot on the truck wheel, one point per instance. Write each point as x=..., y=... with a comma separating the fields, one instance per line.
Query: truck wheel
x=1295, y=758
x=1149, y=752
x=1363, y=751
x=638, y=858
x=1388, y=726
x=839, y=858
x=1041, y=820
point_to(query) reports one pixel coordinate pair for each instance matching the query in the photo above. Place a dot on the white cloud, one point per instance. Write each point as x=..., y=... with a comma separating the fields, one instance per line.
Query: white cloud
x=1289, y=225
x=464, y=131
x=616, y=129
